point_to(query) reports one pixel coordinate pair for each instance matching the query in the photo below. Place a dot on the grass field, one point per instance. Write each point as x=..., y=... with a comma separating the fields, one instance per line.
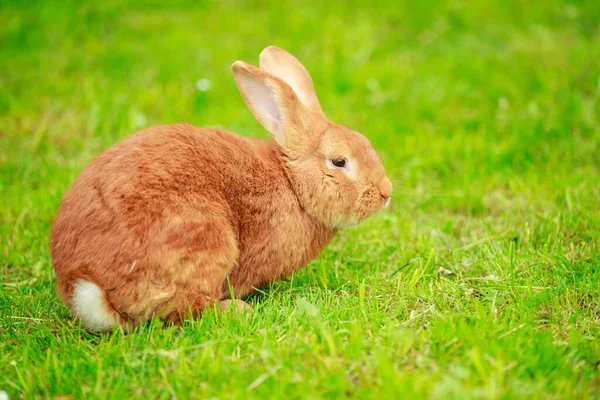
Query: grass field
x=483, y=281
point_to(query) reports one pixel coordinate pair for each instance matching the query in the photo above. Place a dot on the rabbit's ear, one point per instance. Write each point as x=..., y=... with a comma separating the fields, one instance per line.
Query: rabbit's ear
x=272, y=102
x=287, y=67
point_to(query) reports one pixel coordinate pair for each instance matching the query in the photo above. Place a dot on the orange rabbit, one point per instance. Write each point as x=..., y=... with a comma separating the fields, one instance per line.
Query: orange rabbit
x=173, y=218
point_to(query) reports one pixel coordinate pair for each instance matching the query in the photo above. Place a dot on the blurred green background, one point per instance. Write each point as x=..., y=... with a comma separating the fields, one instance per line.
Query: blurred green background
x=483, y=281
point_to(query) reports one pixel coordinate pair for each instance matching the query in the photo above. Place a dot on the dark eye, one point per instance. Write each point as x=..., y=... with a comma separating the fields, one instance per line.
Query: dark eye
x=339, y=162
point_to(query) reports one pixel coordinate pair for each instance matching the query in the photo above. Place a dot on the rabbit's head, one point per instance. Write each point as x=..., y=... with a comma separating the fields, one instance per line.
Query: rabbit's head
x=335, y=171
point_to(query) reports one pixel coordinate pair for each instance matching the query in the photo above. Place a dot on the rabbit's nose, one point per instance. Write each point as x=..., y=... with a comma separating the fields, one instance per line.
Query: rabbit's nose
x=385, y=188
x=385, y=191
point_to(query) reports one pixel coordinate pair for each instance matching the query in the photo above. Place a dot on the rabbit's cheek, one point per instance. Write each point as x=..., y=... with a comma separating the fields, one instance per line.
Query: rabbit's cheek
x=373, y=203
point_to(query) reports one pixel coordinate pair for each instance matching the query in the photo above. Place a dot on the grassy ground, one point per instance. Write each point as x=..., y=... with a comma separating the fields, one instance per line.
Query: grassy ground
x=482, y=282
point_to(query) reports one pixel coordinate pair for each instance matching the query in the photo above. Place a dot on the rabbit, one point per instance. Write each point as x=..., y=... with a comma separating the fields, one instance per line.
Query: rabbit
x=175, y=219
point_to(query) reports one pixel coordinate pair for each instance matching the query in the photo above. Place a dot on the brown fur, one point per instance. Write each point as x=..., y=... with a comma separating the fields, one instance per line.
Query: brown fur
x=161, y=220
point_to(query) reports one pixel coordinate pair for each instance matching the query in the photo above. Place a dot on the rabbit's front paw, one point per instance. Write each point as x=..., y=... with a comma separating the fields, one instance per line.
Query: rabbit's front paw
x=238, y=306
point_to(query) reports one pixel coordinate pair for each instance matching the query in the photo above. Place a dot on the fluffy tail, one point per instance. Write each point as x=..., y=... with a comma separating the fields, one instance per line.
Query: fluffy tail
x=90, y=304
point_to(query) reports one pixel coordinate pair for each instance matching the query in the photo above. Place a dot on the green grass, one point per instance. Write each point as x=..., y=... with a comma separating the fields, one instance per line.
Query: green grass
x=482, y=282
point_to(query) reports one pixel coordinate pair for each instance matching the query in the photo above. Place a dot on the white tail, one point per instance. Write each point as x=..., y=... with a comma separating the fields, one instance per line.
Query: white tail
x=89, y=304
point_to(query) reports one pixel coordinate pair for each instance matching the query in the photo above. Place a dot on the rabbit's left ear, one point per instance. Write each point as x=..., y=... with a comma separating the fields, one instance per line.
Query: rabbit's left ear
x=273, y=103
x=286, y=67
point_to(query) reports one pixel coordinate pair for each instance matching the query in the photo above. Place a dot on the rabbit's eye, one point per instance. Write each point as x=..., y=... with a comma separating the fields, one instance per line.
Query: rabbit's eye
x=339, y=162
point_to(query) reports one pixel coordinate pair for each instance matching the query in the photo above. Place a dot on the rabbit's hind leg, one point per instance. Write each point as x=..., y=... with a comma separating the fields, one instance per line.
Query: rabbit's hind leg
x=200, y=255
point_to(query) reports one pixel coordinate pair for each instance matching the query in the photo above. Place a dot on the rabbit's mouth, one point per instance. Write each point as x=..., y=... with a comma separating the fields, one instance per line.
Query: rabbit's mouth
x=386, y=204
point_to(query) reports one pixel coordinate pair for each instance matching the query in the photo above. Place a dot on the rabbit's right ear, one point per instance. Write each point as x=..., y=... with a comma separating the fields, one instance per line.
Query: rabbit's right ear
x=272, y=102
x=287, y=67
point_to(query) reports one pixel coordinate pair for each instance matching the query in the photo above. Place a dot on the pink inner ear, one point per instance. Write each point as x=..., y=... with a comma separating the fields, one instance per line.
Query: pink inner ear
x=262, y=98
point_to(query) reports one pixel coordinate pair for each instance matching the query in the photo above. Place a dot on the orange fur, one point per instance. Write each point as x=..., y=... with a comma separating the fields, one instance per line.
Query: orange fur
x=161, y=220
